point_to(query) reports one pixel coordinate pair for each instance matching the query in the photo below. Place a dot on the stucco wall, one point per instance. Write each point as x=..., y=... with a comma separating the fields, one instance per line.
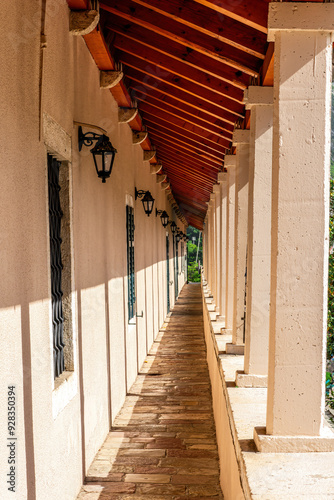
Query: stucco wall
x=59, y=431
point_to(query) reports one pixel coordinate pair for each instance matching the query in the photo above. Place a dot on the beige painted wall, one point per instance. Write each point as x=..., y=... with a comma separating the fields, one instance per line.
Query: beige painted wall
x=59, y=432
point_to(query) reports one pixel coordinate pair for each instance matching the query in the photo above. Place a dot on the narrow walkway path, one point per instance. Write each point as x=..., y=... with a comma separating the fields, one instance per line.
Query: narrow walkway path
x=163, y=443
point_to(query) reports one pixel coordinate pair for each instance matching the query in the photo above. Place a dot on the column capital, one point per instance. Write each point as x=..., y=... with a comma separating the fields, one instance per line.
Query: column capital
x=230, y=161
x=258, y=96
x=212, y=197
x=222, y=176
x=216, y=188
x=299, y=17
x=240, y=136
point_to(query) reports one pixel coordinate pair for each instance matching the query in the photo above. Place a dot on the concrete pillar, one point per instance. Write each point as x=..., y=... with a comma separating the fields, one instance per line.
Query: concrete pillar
x=230, y=164
x=241, y=141
x=300, y=219
x=209, y=247
x=213, y=246
x=223, y=180
x=216, y=191
x=260, y=101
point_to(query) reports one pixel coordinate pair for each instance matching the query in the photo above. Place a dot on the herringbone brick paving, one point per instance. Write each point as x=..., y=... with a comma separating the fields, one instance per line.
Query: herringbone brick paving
x=163, y=443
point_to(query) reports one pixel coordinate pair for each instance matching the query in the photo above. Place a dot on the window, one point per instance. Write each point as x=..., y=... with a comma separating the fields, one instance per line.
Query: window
x=55, y=221
x=130, y=229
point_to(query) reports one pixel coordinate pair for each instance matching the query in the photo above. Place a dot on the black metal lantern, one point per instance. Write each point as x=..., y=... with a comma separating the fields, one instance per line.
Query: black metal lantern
x=103, y=152
x=147, y=200
x=178, y=236
x=173, y=227
x=163, y=216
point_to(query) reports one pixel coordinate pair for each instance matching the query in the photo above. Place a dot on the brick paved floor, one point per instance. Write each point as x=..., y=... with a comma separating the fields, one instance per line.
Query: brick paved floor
x=163, y=443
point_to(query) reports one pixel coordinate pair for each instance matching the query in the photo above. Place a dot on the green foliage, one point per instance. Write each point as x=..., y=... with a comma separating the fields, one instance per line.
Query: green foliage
x=193, y=273
x=330, y=389
x=193, y=266
x=330, y=321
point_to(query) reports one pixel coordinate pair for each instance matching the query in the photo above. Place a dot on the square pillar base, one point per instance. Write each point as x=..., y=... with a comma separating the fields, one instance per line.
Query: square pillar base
x=243, y=379
x=226, y=331
x=211, y=306
x=235, y=349
x=217, y=327
x=293, y=444
x=213, y=315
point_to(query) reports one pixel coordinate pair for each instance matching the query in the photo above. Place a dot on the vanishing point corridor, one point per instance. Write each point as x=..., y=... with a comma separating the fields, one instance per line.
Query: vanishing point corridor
x=163, y=443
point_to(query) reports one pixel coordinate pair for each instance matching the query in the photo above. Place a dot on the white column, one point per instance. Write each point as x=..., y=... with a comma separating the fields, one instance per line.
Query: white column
x=213, y=246
x=223, y=180
x=300, y=219
x=209, y=270
x=230, y=164
x=260, y=101
x=241, y=140
x=216, y=191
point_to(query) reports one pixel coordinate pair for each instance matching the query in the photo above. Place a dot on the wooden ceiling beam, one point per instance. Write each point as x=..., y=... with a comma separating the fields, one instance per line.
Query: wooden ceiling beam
x=188, y=37
x=267, y=70
x=181, y=115
x=195, y=16
x=158, y=122
x=217, y=142
x=252, y=13
x=203, y=151
x=180, y=96
x=176, y=51
x=183, y=186
x=182, y=111
x=158, y=140
x=186, y=203
x=182, y=164
x=183, y=201
x=179, y=69
x=231, y=109
x=205, y=172
x=189, y=181
x=178, y=183
x=177, y=152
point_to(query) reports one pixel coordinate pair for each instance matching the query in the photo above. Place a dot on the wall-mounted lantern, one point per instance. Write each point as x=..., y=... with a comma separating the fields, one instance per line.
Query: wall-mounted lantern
x=103, y=152
x=173, y=227
x=163, y=216
x=147, y=200
x=178, y=236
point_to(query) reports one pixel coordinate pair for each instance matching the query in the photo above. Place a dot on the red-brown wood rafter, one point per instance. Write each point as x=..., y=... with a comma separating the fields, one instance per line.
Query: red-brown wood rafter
x=185, y=88
x=195, y=16
x=252, y=13
x=156, y=116
x=177, y=51
x=186, y=99
x=162, y=63
x=177, y=139
x=182, y=110
x=212, y=128
x=186, y=36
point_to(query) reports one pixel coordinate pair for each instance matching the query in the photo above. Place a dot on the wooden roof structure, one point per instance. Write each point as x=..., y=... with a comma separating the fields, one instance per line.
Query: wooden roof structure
x=186, y=64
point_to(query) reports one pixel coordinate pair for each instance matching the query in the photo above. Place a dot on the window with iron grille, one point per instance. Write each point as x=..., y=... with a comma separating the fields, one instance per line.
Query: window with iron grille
x=130, y=229
x=55, y=221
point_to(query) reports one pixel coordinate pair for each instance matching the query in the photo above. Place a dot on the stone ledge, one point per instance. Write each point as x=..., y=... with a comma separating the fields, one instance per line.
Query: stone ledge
x=238, y=349
x=293, y=444
x=243, y=379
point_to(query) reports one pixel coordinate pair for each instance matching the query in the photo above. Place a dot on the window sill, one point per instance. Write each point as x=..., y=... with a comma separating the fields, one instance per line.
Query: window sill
x=66, y=387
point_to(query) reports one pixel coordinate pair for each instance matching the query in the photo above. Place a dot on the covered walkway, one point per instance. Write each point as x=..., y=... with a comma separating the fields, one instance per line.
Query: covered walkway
x=163, y=443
